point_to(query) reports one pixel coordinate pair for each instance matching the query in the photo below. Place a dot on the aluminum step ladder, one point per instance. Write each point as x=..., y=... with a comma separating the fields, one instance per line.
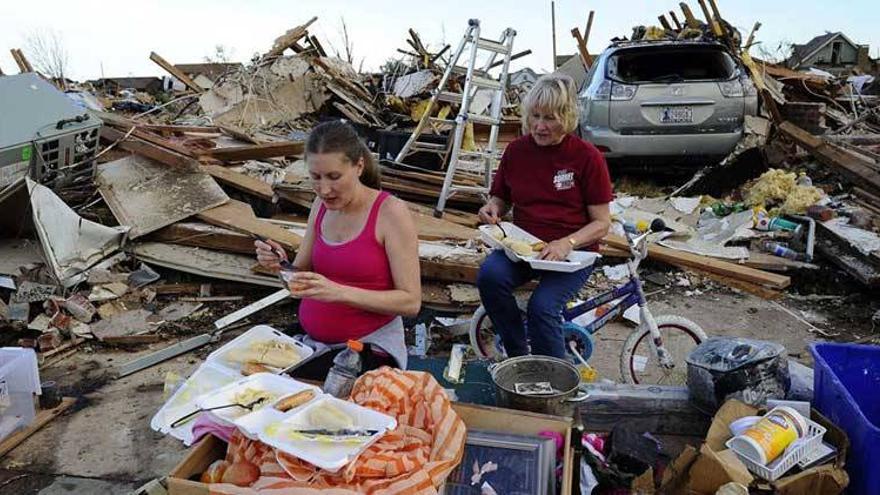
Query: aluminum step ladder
x=475, y=79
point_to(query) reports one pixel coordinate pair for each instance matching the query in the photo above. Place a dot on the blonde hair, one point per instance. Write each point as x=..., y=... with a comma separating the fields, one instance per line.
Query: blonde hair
x=337, y=136
x=554, y=94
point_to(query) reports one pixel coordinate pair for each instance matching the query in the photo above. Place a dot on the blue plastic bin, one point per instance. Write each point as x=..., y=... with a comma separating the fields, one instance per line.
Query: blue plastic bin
x=847, y=391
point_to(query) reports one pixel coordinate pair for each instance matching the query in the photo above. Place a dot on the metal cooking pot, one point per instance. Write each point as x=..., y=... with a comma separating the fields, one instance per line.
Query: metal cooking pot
x=562, y=375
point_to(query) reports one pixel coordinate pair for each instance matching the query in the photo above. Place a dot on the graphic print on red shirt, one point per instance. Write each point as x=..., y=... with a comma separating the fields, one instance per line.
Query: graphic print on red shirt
x=550, y=187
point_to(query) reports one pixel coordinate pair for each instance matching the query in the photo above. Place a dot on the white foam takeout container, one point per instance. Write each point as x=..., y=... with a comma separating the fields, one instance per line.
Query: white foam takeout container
x=256, y=334
x=576, y=260
x=277, y=385
x=205, y=379
x=331, y=456
x=215, y=373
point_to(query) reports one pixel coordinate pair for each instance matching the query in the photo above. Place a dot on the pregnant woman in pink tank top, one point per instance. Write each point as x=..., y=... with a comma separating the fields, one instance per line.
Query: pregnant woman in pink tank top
x=358, y=267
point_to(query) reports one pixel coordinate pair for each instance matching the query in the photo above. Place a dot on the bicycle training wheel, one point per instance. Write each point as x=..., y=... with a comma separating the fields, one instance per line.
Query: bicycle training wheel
x=639, y=362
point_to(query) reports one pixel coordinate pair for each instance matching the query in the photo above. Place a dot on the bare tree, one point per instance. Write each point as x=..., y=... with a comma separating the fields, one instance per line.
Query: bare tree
x=349, y=46
x=46, y=52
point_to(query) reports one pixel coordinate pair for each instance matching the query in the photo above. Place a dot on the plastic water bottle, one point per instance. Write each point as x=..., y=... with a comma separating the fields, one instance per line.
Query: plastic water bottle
x=346, y=368
x=781, y=250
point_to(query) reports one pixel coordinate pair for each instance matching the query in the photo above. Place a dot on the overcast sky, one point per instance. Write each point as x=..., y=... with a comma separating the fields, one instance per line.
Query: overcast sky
x=115, y=38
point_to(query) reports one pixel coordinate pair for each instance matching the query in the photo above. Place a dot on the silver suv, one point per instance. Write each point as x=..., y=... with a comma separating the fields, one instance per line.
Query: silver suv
x=667, y=100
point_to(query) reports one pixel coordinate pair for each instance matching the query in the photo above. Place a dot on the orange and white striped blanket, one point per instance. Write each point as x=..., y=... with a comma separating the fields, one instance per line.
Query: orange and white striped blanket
x=414, y=459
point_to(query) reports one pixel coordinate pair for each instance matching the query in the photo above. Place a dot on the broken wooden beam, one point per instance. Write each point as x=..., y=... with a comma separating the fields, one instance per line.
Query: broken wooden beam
x=582, y=49
x=664, y=23
x=241, y=182
x=856, y=170
x=240, y=216
x=205, y=236
x=288, y=39
x=449, y=271
x=21, y=61
x=255, y=151
x=704, y=263
x=147, y=149
x=512, y=58
x=716, y=29
x=42, y=419
x=678, y=25
x=689, y=18
x=177, y=73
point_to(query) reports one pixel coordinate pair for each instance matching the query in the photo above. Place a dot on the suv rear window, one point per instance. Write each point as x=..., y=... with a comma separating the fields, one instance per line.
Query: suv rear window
x=671, y=64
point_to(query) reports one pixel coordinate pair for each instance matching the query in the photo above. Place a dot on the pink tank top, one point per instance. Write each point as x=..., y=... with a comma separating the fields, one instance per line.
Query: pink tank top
x=360, y=262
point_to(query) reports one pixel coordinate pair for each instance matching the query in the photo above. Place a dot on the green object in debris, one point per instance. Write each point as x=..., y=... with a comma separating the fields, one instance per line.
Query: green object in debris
x=721, y=209
x=26, y=153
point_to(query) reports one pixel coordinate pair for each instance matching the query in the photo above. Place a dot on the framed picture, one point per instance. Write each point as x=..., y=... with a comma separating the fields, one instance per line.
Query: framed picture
x=525, y=465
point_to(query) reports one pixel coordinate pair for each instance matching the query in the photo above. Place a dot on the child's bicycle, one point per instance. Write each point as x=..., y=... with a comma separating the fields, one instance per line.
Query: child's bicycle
x=655, y=351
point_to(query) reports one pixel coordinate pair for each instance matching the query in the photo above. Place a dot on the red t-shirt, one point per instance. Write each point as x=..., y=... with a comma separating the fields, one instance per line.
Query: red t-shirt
x=550, y=187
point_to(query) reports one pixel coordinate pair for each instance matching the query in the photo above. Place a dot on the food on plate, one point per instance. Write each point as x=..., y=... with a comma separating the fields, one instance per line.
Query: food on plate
x=241, y=473
x=520, y=247
x=215, y=471
x=251, y=368
x=326, y=415
x=255, y=396
x=270, y=352
x=295, y=400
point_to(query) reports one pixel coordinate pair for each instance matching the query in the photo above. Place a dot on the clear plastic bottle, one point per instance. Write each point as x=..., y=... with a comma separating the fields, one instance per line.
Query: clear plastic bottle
x=781, y=250
x=346, y=368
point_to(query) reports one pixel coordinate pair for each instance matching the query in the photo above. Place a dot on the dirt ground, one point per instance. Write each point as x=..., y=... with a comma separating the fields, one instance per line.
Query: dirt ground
x=104, y=444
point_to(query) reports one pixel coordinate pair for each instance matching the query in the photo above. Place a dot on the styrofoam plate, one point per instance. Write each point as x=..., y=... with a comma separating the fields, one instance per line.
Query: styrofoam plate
x=576, y=260
x=278, y=386
x=326, y=455
x=256, y=334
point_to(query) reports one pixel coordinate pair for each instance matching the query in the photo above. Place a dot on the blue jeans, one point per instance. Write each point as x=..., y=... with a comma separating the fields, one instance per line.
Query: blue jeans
x=497, y=280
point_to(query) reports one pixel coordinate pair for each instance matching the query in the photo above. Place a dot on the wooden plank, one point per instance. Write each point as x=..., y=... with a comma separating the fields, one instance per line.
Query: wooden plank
x=704, y=263
x=174, y=129
x=205, y=236
x=689, y=18
x=133, y=339
x=239, y=216
x=678, y=25
x=256, y=151
x=245, y=183
x=177, y=73
x=716, y=28
x=149, y=150
x=754, y=289
x=42, y=419
x=431, y=228
x=589, y=28
x=664, y=23
x=582, y=49
x=289, y=39
x=856, y=170
x=449, y=271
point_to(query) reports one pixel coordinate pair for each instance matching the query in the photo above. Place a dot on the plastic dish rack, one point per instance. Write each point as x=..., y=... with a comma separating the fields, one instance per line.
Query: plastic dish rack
x=802, y=454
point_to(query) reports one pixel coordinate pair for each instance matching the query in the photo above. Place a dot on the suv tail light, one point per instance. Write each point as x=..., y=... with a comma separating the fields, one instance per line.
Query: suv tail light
x=615, y=91
x=731, y=89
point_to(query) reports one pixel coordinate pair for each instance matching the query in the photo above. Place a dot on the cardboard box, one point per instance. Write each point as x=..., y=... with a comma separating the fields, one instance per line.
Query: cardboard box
x=714, y=465
x=199, y=457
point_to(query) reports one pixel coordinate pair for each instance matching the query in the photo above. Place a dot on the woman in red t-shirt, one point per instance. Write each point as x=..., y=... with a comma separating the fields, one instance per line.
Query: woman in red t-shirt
x=559, y=189
x=357, y=266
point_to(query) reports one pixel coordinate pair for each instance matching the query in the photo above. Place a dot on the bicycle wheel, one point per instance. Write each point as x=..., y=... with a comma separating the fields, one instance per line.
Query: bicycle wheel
x=482, y=336
x=639, y=362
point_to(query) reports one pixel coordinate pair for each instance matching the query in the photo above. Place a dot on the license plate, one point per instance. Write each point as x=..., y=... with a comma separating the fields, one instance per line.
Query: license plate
x=676, y=115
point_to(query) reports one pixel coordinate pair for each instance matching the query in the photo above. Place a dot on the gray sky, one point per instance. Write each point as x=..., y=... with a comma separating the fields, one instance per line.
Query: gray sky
x=115, y=38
